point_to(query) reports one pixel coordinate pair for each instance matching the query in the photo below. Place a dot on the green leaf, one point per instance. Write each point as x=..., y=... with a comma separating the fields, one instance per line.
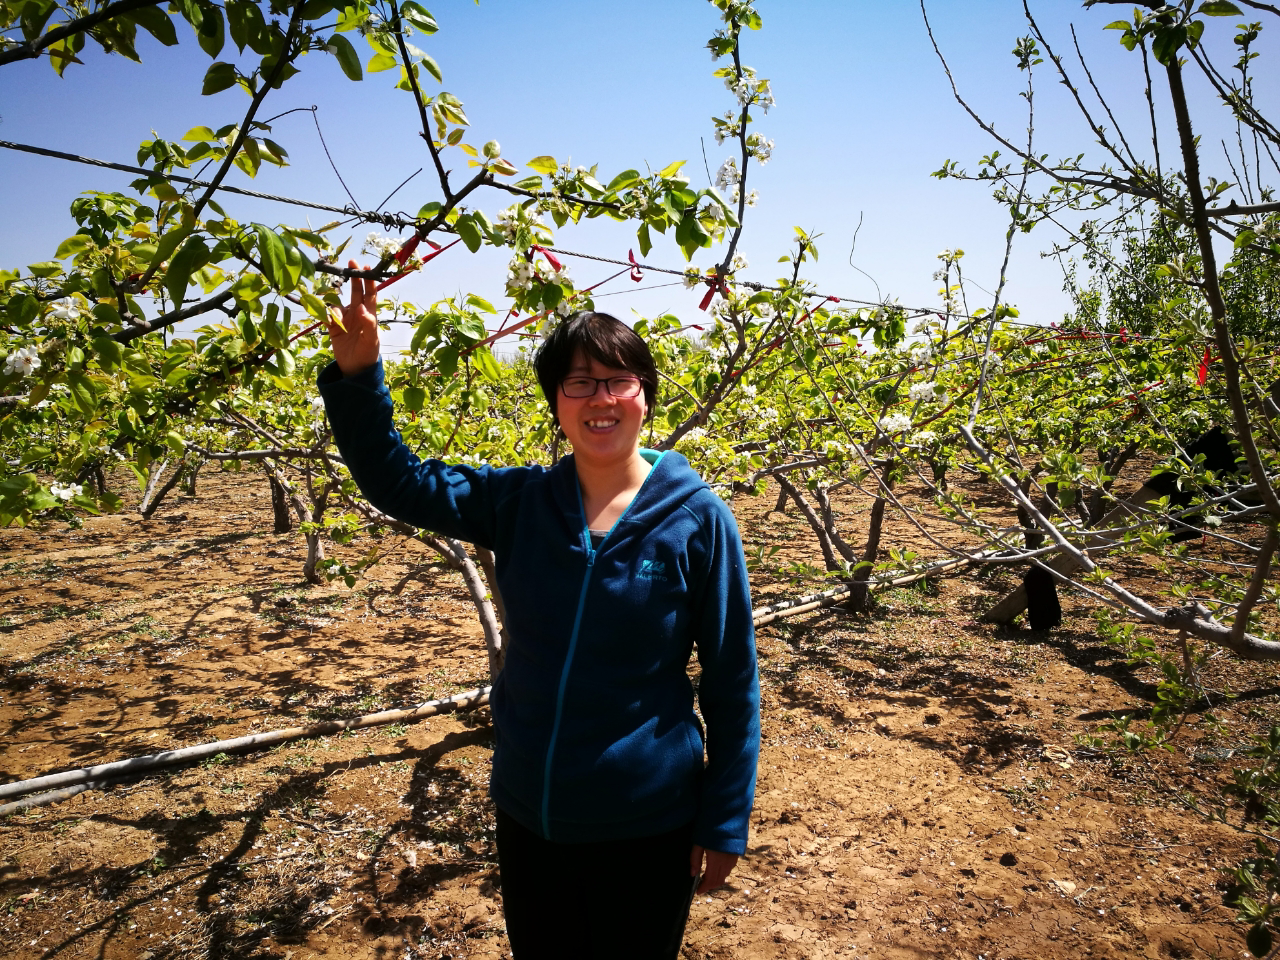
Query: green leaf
x=470, y=326
x=35, y=15
x=219, y=77
x=469, y=232
x=646, y=243
x=268, y=67
x=543, y=164
x=212, y=32
x=110, y=354
x=671, y=169
x=552, y=295
x=447, y=360
x=199, y=133
x=45, y=269
x=284, y=363
x=273, y=256
x=22, y=309
x=1219, y=8
x=484, y=361
x=175, y=442
x=690, y=236
x=315, y=9
x=247, y=26
x=313, y=305
x=76, y=243
x=346, y=56
x=106, y=314
x=413, y=398
x=381, y=61
x=624, y=179
x=1168, y=41
x=156, y=22
x=480, y=303
x=432, y=67
x=418, y=17
x=193, y=255
x=82, y=393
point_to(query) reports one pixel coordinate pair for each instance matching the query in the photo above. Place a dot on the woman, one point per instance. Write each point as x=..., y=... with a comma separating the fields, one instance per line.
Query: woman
x=612, y=565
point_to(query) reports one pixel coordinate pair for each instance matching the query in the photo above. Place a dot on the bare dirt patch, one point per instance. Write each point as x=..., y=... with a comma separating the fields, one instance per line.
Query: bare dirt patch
x=922, y=790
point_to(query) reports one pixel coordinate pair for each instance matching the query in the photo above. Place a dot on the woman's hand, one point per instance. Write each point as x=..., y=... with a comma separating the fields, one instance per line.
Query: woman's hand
x=355, y=348
x=719, y=865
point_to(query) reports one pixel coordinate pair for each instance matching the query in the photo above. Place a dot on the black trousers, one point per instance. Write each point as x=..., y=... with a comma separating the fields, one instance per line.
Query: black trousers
x=621, y=900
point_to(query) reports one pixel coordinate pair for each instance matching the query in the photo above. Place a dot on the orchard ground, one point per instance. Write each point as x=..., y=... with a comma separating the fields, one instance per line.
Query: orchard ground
x=923, y=788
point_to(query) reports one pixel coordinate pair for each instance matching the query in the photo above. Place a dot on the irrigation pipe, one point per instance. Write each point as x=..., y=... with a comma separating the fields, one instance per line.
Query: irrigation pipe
x=135, y=765
x=63, y=786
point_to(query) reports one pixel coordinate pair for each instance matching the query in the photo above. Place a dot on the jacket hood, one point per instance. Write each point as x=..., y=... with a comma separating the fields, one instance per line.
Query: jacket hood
x=668, y=487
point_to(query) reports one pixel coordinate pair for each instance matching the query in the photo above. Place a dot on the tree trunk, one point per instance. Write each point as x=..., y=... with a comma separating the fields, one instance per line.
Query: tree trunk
x=279, y=505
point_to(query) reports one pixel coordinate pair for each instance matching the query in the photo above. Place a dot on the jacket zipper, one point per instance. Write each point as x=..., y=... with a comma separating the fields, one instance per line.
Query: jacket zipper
x=573, y=646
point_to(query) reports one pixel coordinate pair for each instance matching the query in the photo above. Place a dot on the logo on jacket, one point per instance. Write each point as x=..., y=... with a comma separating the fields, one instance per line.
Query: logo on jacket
x=652, y=570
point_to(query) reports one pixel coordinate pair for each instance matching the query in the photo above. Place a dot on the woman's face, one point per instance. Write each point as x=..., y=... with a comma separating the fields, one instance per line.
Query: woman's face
x=604, y=429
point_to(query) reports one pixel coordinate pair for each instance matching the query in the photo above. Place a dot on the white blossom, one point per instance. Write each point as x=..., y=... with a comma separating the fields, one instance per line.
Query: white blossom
x=895, y=423
x=760, y=147
x=66, y=309
x=752, y=197
x=739, y=262
x=692, y=278
x=380, y=246
x=520, y=273
x=68, y=492
x=564, y=308
x=728, y=176
x=924, y=391
x=506, y=221
x=924, y=436
x=24, y=361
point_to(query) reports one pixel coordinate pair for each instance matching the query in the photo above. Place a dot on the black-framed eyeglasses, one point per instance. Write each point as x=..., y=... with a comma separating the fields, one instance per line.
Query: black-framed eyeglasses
x=624, y=388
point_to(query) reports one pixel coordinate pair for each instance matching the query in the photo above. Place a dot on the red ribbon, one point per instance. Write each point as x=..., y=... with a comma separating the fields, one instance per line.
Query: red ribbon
x=714, y=282
x=555, y=264
x=1203, y=375
x=407, y=249
x=636, y=275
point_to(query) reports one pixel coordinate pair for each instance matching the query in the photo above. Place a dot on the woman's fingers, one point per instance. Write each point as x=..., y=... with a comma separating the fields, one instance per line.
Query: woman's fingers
x=353, y=330
x=718, y=867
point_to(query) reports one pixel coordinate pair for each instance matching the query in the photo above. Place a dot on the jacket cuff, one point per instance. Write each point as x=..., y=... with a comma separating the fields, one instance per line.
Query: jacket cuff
x=370, y=378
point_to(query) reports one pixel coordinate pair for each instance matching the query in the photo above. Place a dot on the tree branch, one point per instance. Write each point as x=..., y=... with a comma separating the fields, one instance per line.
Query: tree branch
x=169, y=319
x=32, y=48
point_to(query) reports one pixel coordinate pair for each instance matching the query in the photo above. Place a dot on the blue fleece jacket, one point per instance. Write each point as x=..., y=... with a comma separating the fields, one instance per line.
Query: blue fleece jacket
x=596, y=735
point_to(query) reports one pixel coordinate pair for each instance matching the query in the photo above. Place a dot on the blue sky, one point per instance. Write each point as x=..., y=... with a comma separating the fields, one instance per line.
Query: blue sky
x=863, y=115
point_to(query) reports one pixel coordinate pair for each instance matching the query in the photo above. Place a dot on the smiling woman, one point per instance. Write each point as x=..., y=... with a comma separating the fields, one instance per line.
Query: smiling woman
x=613, y=565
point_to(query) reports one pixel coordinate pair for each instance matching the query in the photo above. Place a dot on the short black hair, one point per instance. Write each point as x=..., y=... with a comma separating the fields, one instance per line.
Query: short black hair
x=603, y=338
